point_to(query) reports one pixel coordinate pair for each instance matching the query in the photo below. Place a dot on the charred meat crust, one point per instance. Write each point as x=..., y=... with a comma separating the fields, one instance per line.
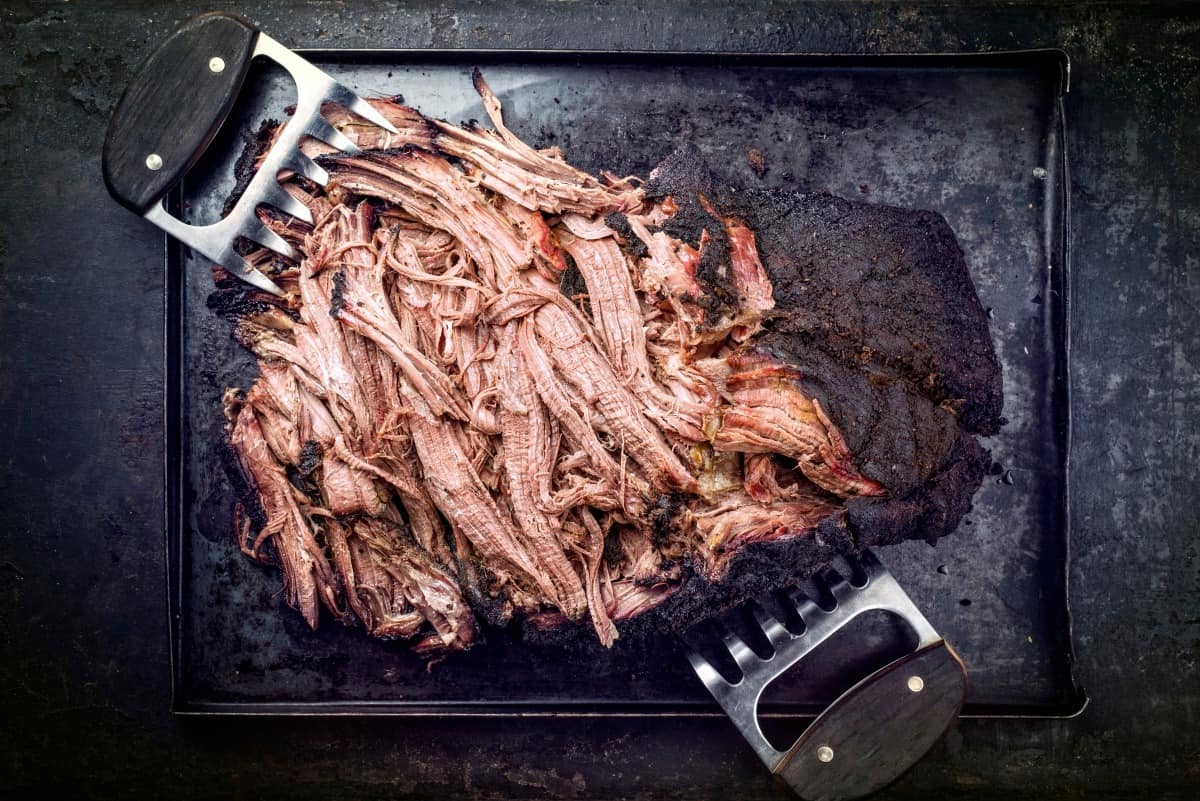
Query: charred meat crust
x=900, y=301
x=254, y=147
x=873, y=286
x=895, y=420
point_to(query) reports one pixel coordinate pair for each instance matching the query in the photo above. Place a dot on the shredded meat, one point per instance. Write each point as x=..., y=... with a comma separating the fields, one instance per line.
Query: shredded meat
x=435, y=420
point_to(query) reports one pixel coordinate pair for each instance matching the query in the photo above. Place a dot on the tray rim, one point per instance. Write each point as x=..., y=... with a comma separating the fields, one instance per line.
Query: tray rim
x=1076, y=699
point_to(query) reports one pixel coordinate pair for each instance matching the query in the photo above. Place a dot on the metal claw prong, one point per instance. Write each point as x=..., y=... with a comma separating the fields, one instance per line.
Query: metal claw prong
x=770, y=625
x=860, y=574
x=825, y=594
x=320, y=128
x=806, y=608
x=740, y=651
x=838, y=586
x=302, y=164
x=708, y=674
x=276, y=195
x=250, y=274
x=350, y=100
x=262, y=234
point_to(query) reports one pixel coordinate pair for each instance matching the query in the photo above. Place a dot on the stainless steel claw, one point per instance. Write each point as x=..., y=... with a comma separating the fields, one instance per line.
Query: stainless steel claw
x=314, y=88
x=740, y=698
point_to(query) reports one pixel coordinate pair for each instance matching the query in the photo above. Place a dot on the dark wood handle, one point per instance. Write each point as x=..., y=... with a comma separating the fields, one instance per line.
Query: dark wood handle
x=175, y=106
x=879, y=728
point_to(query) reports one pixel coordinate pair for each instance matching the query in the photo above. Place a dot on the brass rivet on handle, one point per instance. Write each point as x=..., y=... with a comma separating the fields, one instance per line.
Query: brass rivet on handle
x=916, y=683
x=154, y=162
x=825, y=754
x=216, y=64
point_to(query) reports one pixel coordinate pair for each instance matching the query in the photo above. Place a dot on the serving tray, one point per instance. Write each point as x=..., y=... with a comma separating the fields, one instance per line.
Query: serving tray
x=977, y=138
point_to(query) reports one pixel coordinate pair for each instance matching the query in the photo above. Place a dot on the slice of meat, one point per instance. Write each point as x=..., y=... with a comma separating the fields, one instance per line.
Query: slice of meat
x=761, y=479
x=461, y=495
x=627, y=599
x=430, y=189
x=360, y=303
x=739, y=522
x=613, y=407
x=750, y=279
x=530, y=441
x=538, y=180
x=612, y=486
x=308, y=579
x=427, y=591
x=370, y=590
x=620, y=327
x=768, y=413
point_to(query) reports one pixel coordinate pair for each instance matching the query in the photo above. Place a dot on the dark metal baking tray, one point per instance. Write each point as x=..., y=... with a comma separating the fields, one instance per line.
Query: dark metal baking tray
x=978, y=138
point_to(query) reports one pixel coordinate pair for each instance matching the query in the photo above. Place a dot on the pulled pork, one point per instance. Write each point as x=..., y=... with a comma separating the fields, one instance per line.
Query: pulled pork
x=439, y=426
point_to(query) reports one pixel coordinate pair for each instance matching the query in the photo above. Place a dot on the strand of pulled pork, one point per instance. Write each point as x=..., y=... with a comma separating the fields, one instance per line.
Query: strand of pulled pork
x=562, y=333
x=434, y=355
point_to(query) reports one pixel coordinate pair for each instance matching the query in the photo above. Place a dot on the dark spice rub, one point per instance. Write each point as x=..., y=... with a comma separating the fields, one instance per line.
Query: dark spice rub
x=502, y=390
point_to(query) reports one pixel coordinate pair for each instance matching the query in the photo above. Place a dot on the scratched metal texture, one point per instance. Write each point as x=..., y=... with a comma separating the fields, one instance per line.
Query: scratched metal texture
x=84, y=658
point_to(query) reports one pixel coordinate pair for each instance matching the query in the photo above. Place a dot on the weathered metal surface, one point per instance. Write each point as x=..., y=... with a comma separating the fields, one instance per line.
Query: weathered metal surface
x=84, y=671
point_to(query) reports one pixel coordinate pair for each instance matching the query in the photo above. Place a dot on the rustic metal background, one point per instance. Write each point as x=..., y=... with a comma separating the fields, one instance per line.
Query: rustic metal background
x=84, y=673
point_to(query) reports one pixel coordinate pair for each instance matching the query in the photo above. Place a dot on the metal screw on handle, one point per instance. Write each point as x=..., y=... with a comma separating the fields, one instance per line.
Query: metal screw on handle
x=876, y=729
x=153, y=139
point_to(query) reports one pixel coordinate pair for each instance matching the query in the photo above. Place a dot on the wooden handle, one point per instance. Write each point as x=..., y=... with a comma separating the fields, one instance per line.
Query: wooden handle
x=879, y=728
x=174, y=107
